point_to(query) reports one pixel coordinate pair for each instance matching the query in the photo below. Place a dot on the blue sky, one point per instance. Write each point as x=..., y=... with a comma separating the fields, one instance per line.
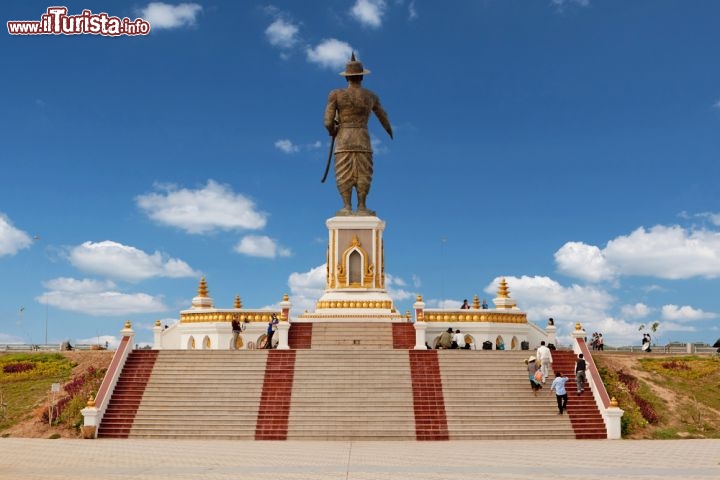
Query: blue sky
x=570, y=146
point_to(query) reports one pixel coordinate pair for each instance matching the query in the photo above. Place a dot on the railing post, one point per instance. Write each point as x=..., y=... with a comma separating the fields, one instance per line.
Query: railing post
x=284, y=324
x=157, y=336
x=420, y=325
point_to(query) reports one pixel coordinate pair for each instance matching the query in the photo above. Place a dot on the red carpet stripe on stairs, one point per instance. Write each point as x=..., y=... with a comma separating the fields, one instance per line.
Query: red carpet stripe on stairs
x=403, y=335
x=428, y=400
x=584, y=414
x=120, y=414
x=274, y=411
x=300, y=335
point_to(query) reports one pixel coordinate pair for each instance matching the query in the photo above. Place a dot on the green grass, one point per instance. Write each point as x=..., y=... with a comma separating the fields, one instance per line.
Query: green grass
x=695, y=383
x=23, y=393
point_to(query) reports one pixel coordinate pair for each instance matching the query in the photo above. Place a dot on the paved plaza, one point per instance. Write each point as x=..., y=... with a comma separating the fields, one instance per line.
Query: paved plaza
x=22, y=459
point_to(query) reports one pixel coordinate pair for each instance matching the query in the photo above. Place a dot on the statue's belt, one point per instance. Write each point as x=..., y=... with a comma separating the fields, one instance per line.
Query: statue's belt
x=352, y=125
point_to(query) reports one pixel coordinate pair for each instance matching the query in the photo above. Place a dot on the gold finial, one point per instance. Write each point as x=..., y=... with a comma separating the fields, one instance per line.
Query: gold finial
x=91, y=401
x=157, y=323
x=476, y=303
x=202, y=289
x=407, y=314
x=503, y=290
x=578, y=326
x=238, y=302
x=128, y=325
x=286, y=297
x=614, y=402
x=419, y=298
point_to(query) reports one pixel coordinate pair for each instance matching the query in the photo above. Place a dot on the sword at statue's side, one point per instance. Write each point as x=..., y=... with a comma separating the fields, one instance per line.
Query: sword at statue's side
x=327, y=167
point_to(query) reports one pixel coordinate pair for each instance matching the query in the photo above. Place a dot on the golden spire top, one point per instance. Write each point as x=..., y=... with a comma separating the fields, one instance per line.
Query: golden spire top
x=238, y=302
x=503, y=290
x=157, y=323
x=202, y=289
x=286, y=298
x=476, y=303
x=419, y=298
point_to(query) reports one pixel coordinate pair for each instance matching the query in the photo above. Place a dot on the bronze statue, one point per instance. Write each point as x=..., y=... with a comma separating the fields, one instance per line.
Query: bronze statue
x=346, y=118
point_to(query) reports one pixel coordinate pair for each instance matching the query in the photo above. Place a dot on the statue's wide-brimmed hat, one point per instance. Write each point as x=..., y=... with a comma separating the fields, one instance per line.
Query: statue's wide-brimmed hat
x=353, y=68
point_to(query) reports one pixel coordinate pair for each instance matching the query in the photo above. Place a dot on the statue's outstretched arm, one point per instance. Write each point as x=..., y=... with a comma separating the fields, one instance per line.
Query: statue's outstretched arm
x=382, y=116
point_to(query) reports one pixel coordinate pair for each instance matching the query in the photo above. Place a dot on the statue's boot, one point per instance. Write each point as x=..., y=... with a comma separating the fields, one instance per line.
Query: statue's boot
x=362, y=209
x=347, y=207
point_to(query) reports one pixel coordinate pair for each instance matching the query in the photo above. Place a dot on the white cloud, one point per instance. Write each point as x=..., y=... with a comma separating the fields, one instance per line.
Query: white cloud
x=543, y=297
x=306, y=288
x=282, y=33
x=286, y=146
x=261, y=246
x=68, y=294
x=165, y=16
x=716, y=104
x=664, y=252
x=115, y=260
x=684, y=313
x=72, y=285
x=562, y=3
x=580, y=260
x=369, y=12
x=412, y=11
x=330, y=53
x=639, y=310
x=714, y=218
x=213, y=207
x=395, y=288
x=12, y=240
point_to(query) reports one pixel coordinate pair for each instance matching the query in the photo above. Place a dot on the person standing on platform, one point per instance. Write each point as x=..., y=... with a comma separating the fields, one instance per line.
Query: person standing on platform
x=580, y=378
x=545, y=357
x=558, y=385
x=272, y=327
x=236, y=329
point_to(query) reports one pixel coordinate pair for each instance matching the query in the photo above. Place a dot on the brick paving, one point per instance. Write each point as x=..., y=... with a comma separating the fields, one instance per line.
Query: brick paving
x=26, y=459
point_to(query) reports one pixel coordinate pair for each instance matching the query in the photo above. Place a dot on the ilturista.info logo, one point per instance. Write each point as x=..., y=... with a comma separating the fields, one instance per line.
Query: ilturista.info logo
x=56, y=21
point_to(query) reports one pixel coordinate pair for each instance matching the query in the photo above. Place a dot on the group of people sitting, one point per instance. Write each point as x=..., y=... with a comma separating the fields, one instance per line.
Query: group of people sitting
x=452, y=340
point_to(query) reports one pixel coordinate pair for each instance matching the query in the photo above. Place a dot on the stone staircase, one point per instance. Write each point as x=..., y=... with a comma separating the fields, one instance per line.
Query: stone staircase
x=347, y=394
x=352, y=395
x=128, y=394
x=488, y=396
x=582, y=410
x=356, y=336
x=196, y=394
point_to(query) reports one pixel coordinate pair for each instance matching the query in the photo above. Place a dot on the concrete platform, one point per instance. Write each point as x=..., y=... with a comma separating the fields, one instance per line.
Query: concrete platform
x=24, y=459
